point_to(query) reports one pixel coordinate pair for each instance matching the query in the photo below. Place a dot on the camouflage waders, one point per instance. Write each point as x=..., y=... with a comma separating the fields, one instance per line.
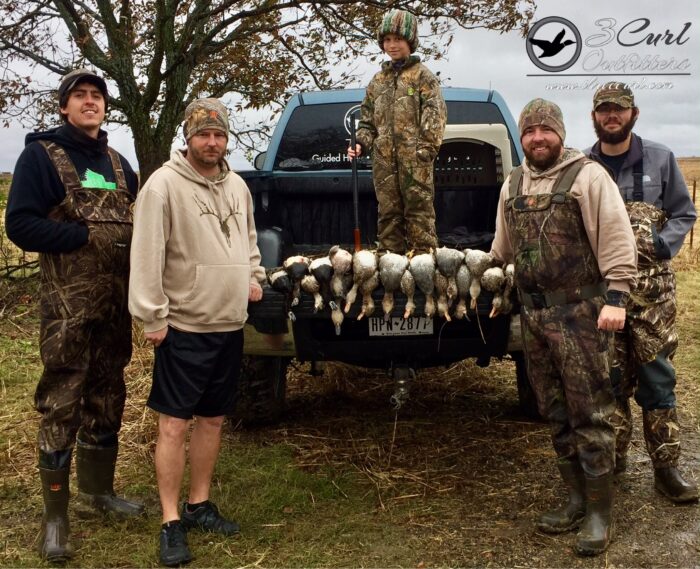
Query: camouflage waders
x=643, y=350
x=562, y=292
x=405, y=194
x=402, y=122
x=85, y=335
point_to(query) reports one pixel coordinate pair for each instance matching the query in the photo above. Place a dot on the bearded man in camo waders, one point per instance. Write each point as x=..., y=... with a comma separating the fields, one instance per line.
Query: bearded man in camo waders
x=70, y=200
x=561, y=221
x=662, y=213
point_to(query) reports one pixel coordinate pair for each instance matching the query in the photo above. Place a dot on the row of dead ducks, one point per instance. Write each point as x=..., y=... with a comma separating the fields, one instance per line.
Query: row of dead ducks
x=444, y=276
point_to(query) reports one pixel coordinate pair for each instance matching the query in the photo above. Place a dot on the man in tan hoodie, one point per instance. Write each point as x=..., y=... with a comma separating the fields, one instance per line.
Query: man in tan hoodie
x=562, y=222
x=195, y=266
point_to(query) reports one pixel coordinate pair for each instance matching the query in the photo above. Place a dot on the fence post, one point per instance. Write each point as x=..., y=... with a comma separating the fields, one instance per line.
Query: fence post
x=692, y=229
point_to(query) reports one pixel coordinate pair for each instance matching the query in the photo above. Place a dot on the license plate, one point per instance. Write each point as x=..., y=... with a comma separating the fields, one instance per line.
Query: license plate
x=397, y=326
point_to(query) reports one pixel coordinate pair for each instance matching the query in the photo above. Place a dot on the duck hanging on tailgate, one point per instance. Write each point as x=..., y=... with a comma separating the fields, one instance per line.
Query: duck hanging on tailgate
x=494, y=280
x=464, y=281
x=364, y=265
x=297, y=267
x=477, y=261
x=322, y=270
x=423, y=271
x=341, y=282
x=391, y=270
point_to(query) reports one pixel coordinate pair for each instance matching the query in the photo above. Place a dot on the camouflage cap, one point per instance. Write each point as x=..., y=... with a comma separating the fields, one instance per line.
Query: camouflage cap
x=541, y=112
x=614, y=92
x=205, y=113
x=402, y=24
x=82, y=75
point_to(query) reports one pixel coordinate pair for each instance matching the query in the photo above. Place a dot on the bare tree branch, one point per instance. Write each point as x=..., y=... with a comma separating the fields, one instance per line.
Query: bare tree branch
x=162, y=54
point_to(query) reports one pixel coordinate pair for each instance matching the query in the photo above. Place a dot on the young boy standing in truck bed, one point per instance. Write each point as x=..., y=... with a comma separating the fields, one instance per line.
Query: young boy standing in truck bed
x=402, y=121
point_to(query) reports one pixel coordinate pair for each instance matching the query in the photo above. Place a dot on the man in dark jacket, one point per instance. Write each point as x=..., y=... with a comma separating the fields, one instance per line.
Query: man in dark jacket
x=70, y=201
x=662, y=213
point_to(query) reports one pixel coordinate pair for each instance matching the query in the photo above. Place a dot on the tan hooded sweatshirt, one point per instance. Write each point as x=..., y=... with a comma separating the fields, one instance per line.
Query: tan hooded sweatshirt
x=194, y=251
x=604, y=217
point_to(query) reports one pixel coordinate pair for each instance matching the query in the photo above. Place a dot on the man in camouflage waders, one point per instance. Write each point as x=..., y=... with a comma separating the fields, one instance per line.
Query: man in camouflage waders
x=561, y=221
x=662, y=213
x=402, y=121
x=70, y=200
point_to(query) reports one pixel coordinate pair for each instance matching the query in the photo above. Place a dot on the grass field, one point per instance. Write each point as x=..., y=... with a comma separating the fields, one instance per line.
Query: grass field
x=456, y=479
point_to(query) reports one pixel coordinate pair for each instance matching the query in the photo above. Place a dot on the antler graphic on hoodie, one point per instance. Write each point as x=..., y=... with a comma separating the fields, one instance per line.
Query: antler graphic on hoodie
x=207, y=209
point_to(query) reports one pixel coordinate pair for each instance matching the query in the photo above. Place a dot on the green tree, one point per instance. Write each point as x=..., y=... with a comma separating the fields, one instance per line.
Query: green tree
x=162, y=54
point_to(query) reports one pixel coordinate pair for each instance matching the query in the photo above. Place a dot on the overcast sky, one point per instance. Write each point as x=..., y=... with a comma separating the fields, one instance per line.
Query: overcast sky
x=613, y=35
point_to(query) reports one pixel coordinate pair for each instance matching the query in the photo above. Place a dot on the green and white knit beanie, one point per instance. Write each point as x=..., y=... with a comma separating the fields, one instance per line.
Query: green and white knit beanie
x=402, y=24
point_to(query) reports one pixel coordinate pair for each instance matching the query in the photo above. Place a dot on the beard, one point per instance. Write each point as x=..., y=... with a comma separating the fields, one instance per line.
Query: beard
x=206, y=157
x=544, y=162
x=617, y=136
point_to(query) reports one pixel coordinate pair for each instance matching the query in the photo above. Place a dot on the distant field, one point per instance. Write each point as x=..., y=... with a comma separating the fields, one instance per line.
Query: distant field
x=691, y=170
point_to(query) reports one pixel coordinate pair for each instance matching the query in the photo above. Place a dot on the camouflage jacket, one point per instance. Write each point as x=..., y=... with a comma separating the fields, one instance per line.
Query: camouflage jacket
x=403, y=114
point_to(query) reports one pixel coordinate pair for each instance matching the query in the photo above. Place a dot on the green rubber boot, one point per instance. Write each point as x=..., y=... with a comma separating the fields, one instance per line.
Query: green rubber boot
x=95, y=467
x=596, y=529
x=568, y=516
x=54, y=546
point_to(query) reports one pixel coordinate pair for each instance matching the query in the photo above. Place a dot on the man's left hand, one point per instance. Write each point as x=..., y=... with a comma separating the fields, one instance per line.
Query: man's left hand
x=611, y=318
x=255, y=292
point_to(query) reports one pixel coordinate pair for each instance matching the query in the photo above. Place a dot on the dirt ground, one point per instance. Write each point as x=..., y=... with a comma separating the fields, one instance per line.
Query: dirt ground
x=471, y=473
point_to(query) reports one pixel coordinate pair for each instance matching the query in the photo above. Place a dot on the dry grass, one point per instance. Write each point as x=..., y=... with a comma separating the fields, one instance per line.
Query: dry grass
x=455, y=479
x=691, y=170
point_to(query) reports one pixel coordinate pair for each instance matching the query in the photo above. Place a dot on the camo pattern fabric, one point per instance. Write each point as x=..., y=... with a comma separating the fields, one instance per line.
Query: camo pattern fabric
x=568, y=365
x=621, y=420
x=651, y=311
x=402, y=121
x=662, y=436
x=550, y=242
x=541, y=112
x=614, y=92
x=406, y=219
x=85, y=331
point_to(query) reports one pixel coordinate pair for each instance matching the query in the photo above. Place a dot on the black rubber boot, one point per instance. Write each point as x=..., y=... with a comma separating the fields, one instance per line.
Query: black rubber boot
x=662, y=435
x=95, y=468
x=54, y=546
x=596, y=529
x=670, y=483
x=568, y=516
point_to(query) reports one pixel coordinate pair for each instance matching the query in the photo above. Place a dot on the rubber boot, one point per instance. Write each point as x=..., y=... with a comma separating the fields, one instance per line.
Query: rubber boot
x=662, y=435
x=596, y=529
x=568, y=516
x=621, y=420
x=54, y=546
x=671, y=484
x=95, y=468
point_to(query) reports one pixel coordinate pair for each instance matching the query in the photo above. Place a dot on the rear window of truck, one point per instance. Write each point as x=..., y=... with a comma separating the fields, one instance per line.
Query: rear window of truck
x=317, y=136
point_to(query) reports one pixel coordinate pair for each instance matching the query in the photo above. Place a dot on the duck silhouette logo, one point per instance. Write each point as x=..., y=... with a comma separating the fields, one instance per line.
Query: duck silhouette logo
x=353, y=114
x=553, y=44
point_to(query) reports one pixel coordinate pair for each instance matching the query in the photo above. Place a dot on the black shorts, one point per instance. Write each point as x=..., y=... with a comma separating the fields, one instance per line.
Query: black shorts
x=196, y=374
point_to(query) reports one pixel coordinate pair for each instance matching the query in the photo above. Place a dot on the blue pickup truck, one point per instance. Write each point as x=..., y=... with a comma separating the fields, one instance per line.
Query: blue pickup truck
x=302, y=190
